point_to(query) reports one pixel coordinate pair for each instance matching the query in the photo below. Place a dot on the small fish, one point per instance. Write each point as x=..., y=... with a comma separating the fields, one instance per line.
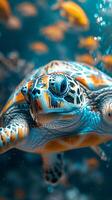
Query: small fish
x=39, y=47
x=27, y=9
x=90, y=43
x=85, y=58
x=55, y=32
x=74, y=13
x=14, y=23
x=107, y=60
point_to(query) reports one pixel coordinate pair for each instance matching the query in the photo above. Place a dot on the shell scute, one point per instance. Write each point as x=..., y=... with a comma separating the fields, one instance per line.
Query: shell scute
x=87, y=75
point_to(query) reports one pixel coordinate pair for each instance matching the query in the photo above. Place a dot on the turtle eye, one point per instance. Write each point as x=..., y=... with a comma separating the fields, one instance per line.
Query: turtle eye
x=58, y=84
x=107, y=112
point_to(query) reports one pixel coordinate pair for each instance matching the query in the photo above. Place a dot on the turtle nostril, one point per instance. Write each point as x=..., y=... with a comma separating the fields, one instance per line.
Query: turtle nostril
x=35, y=91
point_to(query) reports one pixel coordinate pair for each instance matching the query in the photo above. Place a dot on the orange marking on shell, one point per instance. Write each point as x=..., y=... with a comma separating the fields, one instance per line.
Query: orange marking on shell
x=20, y=133
x=82, y=80
x=46, y=81
x=47, y=99
x=20, y=97
x=3, y=138
x=7, y=132
x=97, y=80
x=30, y=83
x=13, y=137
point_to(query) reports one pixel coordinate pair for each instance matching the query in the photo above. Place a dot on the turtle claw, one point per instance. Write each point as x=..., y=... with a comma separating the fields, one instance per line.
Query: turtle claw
x=53, y=175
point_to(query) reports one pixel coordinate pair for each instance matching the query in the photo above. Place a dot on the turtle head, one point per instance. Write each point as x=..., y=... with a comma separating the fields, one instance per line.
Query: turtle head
x=56, y=97
x=57, y=100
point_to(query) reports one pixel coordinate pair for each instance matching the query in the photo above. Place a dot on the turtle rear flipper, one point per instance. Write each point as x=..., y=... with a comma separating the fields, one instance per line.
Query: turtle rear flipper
x=53, y=167
x=100, y=152
x=14, y=132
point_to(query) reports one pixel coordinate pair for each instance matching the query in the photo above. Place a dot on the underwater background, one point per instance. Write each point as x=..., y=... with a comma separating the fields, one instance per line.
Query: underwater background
x=24, y=45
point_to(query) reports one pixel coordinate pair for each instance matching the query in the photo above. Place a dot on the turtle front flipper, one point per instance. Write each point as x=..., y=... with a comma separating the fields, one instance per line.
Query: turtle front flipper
x=14, y=132
x=53, y=167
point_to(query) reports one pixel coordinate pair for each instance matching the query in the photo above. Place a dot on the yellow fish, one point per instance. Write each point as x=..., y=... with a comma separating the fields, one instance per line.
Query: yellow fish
x=74, y=13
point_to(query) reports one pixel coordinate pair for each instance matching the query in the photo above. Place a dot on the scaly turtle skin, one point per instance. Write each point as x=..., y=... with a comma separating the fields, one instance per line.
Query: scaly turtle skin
x=61, y=106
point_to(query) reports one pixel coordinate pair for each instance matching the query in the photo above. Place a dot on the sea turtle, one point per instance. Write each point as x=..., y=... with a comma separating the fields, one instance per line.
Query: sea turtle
x=60, y=106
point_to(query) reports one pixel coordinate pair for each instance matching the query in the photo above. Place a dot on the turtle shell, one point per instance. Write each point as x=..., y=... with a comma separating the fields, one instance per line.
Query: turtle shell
x=89, y=76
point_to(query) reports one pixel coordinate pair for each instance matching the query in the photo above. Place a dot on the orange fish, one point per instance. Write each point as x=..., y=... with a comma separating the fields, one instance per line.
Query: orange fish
x=55, y=32
x=13, y=22
x=74, y=13
x=107, y=60
x=85, y=58
x=39, y=47
x=89, y=43
x=5, y=10
x=27, y=9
